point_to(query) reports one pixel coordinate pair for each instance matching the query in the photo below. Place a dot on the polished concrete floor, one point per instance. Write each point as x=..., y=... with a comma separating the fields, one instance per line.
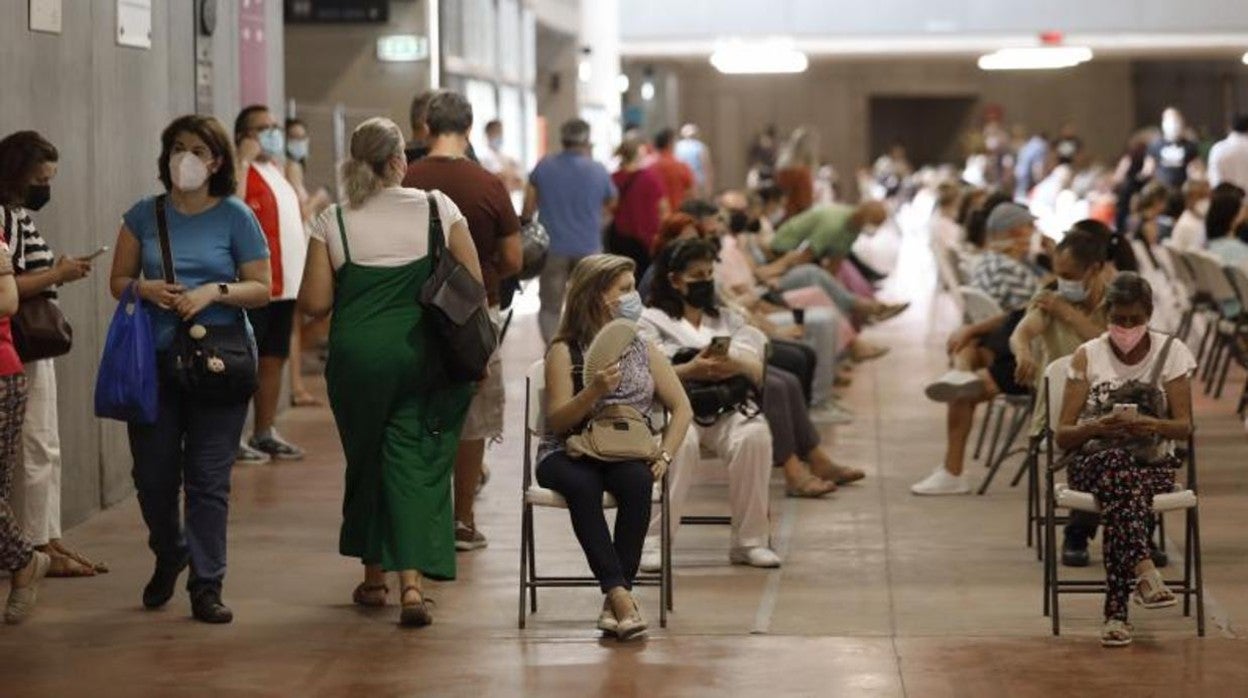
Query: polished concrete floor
x=881, y=594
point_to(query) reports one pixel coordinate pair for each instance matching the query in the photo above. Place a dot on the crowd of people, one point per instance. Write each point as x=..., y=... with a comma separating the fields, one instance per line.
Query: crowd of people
x=748, y=310
x=1086, y=293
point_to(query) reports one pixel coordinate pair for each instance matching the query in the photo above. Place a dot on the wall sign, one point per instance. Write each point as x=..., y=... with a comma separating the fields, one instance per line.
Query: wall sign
x=402, y=48
x=45, y=16
x=252, y=63
x=134, y=23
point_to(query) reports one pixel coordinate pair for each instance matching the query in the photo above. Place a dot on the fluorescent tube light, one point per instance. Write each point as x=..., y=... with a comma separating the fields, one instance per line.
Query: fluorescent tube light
x=758, y=57
x=1035, y=58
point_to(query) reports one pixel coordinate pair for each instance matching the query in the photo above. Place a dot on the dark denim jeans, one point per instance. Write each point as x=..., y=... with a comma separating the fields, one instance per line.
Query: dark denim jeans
x=195, y=444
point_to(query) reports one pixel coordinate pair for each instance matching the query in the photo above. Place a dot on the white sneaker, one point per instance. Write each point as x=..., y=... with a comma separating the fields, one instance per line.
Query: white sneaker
x=651, y=560
x=941, y=482
x=830, y=413
x=758, y=556
x=955, y=385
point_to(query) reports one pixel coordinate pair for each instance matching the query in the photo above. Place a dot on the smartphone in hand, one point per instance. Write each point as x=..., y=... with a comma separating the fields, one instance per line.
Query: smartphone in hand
x=102, y=249
x=1126, y=410
x=719, y=346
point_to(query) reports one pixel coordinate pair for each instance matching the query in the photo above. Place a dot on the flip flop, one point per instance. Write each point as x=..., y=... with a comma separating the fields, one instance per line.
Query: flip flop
x=64, y=566
x=809, y=487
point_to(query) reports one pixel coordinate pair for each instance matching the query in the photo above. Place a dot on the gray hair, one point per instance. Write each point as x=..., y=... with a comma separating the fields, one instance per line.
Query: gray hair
x=574, y=133
x=373, y=143
x=448, y=112
x=1129, y=288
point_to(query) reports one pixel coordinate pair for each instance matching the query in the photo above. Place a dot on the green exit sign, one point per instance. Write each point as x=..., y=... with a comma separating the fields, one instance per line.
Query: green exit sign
x=402, y=48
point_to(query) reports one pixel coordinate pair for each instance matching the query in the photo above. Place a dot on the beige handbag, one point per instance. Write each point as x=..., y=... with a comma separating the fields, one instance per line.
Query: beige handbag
x=615, y=433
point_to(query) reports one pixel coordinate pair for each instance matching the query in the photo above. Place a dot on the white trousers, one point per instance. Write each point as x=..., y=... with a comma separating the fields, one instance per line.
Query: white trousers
x=745, y=446
x=37, y=494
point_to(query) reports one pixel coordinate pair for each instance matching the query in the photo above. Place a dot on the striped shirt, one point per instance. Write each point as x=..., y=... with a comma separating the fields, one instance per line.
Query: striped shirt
x=30, y=251
x=1009, y=282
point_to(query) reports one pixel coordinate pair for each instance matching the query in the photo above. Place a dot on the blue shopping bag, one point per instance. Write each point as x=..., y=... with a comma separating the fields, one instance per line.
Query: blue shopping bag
x=125, y=387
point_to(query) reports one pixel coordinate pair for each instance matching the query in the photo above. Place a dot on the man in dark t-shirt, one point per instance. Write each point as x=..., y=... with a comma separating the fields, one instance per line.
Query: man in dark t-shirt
x=1170, y=156
x=495, y=231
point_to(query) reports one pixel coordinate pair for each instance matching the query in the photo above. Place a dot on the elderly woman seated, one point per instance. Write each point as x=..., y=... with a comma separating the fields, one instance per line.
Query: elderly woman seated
x=1126, y=400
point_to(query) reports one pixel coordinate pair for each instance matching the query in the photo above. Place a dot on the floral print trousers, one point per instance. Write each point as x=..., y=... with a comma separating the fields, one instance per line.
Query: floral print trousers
x=15, y=550
x=1124, y=490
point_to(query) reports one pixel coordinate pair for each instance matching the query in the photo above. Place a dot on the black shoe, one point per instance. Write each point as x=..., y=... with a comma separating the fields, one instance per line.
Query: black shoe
x=1160, y=558
x=160, y=587
x=1074, y=552
x=206, y=606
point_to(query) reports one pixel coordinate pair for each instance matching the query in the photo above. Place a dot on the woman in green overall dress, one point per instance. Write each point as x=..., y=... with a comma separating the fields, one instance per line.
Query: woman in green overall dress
x=398, y=419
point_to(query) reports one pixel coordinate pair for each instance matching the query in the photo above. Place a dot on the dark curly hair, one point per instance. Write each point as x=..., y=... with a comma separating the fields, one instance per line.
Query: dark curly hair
x=20, y=154
x=674, y=259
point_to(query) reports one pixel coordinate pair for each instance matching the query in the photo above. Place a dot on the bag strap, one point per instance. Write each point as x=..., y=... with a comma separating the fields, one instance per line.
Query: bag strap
x=437, y=239
x=342, y=234
x=1161, y=361
x=578, y=367
x=162, y=233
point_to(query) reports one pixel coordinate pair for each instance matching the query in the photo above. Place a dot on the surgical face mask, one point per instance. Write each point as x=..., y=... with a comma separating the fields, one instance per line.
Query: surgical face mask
x=1127, y=338
x=272, y=142
x=700, y=294
x=187, y=171
x=1171, y=129
x=496, y=144
x=629, y=306
x=297, y=149
x=1201, y=207
x=37, y=196
x=1072, y=291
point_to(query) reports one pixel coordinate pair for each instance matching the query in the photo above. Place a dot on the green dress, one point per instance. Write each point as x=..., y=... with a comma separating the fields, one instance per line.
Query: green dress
x=398, y=419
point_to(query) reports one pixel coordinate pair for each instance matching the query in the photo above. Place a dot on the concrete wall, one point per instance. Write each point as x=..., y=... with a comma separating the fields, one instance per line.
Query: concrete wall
x=834, y=97
x=103, y=106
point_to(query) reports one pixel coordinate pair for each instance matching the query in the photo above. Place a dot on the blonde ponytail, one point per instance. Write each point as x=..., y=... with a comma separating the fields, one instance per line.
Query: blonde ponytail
x=373, y=143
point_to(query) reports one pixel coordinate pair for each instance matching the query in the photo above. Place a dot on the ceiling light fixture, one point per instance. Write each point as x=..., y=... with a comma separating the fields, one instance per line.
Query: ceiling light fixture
x=1035, y=58
x=770, y=56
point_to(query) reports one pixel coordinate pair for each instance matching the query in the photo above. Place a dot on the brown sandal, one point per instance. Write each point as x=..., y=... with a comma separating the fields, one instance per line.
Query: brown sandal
x=415, y=614
x=99, y=567
x=66, y=566
x=809, y=487
x=367, y=595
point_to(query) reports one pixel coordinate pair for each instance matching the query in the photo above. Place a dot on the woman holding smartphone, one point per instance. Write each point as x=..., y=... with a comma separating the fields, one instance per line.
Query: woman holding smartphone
x=1127, y=398
x=28, y=164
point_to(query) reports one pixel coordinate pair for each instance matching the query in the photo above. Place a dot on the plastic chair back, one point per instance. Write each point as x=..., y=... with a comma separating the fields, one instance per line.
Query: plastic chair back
x=1055, y=379
x=977, y=305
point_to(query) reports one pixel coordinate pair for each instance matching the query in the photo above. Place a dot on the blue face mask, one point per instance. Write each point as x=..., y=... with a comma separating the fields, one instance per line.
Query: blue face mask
x=629, y=306
x=272, y=142
x=297, y=149
x=1073, y=291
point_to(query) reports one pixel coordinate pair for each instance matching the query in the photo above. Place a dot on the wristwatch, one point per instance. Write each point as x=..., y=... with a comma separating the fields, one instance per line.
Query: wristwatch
x=223, y=289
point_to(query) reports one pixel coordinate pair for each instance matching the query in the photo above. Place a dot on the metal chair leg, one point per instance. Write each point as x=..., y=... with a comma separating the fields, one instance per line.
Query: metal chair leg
x=999, y=414
x=1226, y=367
x=524, y=549
x=1200, y=580
x=983, y=429
x=1187, y=563
x=1017, y=418
x=532, y=565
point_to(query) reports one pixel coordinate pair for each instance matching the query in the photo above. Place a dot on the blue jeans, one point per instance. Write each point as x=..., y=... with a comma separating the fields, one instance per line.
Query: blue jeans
x=194, y=443
x=804, y=275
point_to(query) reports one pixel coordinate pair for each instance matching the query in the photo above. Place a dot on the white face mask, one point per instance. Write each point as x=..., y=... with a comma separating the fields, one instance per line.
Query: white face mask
x=187, y=171
x=1171, y=129
x=1201, y=208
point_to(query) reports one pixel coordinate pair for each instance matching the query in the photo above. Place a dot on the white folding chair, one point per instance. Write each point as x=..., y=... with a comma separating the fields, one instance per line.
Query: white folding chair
x=977, y=305
x=1061, y=496
x=533, y=496
x=1214, y=281
x=1239, y=279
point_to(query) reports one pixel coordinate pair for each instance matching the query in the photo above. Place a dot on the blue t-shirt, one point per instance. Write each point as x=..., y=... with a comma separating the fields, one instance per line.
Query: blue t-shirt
x=571, y=191
x=208, y=248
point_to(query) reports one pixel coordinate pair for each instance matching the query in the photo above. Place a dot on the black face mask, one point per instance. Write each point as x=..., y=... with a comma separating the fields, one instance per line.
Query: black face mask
x=700, y=294
x=37, y=196
x=738, y=221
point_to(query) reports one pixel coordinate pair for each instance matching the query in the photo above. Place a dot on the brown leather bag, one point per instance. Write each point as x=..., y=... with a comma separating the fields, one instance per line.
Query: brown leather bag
x=40, y=330
x=615, y=433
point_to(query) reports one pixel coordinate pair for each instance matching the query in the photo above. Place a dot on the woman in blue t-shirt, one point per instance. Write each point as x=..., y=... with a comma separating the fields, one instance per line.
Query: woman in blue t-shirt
x=220, y=259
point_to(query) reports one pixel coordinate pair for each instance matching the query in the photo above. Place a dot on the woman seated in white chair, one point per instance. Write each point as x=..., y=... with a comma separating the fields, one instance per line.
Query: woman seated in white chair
x=601, y=288
x=1127, y=399
x=686, y=320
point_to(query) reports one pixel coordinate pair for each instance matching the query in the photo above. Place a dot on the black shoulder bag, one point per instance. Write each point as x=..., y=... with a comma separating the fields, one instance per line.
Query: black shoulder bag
x=712, y=399
x=215, y=364
x=455, y=303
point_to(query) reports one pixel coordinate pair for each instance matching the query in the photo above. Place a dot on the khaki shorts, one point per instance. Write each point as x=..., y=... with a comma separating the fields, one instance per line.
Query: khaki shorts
x=485, y=414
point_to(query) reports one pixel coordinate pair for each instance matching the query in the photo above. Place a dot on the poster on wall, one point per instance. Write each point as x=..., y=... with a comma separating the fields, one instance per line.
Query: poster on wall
x=134, y=23
x=252, y=42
